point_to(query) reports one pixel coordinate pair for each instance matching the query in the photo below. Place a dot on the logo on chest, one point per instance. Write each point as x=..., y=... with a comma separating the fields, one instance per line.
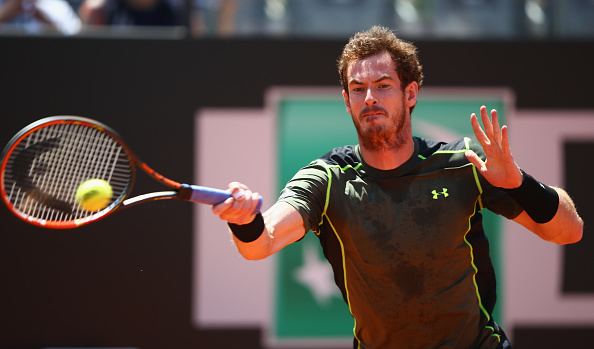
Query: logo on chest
x=438, y=194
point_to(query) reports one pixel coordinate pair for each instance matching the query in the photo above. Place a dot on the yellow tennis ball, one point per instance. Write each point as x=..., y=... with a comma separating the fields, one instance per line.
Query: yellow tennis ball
x=94, y=194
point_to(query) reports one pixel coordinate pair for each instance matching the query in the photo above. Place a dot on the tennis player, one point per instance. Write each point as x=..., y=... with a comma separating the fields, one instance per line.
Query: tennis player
x=398, y=217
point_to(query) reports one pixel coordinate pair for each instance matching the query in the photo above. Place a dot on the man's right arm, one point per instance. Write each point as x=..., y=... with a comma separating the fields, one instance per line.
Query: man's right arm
x=283, y=224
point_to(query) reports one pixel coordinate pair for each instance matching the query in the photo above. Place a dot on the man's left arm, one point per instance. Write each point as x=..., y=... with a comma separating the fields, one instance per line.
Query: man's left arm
x=564, y=228
x=548, y=212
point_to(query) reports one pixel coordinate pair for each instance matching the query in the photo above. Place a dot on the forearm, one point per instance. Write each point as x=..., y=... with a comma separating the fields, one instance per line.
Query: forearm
x=549, y=212
x=566, y=227
x=283, y=225
x=255, y=250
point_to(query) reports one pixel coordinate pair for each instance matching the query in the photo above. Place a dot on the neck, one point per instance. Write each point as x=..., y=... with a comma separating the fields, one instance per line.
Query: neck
x=388, y=159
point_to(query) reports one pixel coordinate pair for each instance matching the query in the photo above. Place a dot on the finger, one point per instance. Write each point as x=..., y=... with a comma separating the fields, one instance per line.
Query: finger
x=240, y=201
x=238, y=190
x=238, y=194
x=487, y=123
x=242, y=211
x=255, y=201
x=505, y=141
x=232, y=214
x=475, y=160
x=237, y=185
x=478, y=131
x=496, y=127
x=220, y=208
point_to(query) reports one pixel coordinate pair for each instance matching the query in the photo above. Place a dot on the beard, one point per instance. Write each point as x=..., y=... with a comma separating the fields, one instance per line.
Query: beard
x=385, y=136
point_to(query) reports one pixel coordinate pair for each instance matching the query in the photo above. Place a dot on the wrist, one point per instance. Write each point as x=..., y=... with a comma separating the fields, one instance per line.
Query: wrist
x=248, y=232
x=518, y=181
x=539, y=200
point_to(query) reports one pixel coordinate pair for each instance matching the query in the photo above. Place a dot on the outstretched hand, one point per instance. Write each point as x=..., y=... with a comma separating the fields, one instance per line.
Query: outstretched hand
x=499, y=167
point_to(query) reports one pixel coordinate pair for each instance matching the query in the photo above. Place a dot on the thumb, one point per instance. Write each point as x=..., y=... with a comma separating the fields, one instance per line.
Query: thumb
x=474, y=159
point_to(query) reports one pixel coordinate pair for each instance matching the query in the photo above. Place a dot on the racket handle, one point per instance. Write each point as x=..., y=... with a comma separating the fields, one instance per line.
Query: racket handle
x=206, y=195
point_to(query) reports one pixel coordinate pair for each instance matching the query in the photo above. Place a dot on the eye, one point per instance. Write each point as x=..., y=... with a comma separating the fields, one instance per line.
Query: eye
x=357, y=89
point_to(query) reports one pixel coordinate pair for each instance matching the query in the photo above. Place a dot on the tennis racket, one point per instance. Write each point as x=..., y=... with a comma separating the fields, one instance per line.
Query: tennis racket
x=44, y=164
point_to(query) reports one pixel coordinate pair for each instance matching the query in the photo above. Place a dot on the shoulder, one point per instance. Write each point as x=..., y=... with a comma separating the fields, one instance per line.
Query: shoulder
x=342, y=157
x=336, y=160
x=448, y=154
x=428, y=147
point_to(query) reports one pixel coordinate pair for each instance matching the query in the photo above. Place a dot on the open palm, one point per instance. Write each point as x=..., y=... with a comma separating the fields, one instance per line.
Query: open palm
x=499, y=167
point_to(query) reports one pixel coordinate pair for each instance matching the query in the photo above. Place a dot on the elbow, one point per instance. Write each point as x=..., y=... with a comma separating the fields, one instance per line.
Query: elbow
x=252, y=251
x=574, y=234
x=578, y=232
x=253, y=257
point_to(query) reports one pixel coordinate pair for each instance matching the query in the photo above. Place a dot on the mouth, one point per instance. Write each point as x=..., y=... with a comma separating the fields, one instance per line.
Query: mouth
x=372, y=113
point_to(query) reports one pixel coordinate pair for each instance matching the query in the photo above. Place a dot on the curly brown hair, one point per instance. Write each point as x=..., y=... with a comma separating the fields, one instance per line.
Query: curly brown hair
x=381, y=39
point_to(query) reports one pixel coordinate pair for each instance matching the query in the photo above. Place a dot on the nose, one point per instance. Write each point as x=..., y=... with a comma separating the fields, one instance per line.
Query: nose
x=370, y=98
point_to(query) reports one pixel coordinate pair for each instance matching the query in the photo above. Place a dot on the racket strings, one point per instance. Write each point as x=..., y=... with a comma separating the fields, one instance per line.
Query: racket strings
x=49, y=164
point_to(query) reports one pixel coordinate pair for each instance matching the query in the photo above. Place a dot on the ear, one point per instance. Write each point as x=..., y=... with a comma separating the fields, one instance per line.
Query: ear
x=410, y=94
x=347, y=103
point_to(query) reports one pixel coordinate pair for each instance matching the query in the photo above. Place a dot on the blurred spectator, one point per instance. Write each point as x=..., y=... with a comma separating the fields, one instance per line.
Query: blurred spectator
x=213, y=17
x=130, y=12
x=37, y=16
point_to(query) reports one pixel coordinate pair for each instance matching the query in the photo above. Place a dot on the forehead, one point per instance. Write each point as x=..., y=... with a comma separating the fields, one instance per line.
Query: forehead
x=372, y=67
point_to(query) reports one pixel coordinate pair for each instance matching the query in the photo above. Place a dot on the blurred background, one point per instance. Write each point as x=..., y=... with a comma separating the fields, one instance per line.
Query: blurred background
x=147, y=67
x=418, y=19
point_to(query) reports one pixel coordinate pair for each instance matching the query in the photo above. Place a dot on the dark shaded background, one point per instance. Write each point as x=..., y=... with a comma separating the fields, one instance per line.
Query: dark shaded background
x=126, y=281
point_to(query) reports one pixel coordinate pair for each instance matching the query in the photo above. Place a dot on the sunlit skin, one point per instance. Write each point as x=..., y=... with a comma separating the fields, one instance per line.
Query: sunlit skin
x=380, y=110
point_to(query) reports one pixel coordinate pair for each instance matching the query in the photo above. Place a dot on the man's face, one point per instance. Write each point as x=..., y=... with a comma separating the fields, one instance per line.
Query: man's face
x=377, y=104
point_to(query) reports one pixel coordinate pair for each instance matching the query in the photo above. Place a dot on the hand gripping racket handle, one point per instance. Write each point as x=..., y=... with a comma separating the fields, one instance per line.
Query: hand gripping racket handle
x=206, y=195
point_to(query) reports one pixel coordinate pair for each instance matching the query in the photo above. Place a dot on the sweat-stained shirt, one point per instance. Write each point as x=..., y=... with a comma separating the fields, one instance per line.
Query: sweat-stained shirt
x=407, y=245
